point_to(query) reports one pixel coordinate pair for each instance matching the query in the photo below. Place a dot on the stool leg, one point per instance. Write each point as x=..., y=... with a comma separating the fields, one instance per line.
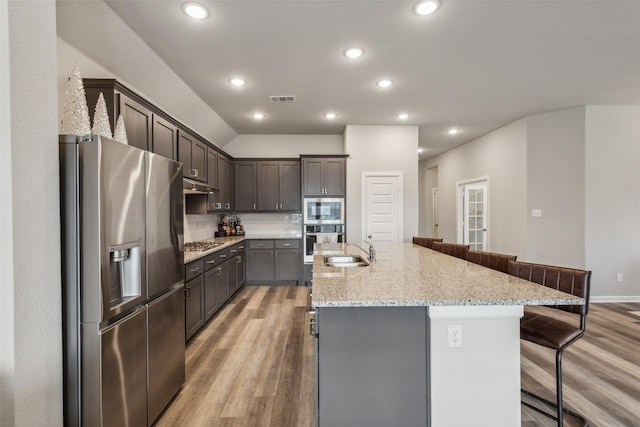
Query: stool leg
x=559, y=386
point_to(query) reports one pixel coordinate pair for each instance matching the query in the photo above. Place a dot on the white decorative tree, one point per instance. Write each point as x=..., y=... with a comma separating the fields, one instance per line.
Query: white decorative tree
x=75, y=116
x=120, y=134
x=101, y=125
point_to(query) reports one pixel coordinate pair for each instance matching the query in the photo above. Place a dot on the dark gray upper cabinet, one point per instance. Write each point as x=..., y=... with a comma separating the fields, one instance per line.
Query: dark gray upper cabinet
x=137, y=123
x=245, y=186
x=212, y=168
x=268, y=186
x=289, y=175
x=324, y=176
x=193, y=153
x=165, y=138
x=224, y=196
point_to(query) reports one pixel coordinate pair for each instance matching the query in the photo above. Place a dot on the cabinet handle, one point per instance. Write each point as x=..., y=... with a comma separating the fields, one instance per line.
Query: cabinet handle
x=254, y=206
x=276, y=206
x=239, y=260
x=194, y=172
x=286, y=244
x=194, y=270
x=227, y=205
x=280, y=206
x=187, y=292
x=211, y=262
x=313, y=331
x=241, y=248
x=219, y=272
x=222, y=256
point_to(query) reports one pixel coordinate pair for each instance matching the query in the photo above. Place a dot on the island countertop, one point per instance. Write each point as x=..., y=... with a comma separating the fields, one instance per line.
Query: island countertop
x=405, y=274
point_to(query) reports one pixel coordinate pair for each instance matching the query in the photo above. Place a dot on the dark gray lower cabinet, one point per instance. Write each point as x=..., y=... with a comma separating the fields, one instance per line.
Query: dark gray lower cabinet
x=206, y=293
x=371, y=366
x=194, y=306
x=274, y=261
x=222, y=284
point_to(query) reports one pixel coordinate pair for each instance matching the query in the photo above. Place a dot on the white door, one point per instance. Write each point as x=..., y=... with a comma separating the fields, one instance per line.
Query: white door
x=473, y=221
x=383, y=210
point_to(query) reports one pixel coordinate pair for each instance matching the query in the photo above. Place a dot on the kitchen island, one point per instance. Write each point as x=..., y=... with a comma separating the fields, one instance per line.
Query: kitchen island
x=418, y=338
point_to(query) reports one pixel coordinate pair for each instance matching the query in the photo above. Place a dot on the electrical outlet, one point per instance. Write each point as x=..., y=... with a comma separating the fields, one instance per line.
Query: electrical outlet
x=455, y=336
x=536, y=213
x=619, y=278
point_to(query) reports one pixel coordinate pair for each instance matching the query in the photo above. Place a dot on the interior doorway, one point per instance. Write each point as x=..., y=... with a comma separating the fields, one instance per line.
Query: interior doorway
x=473, y=213
x=382, y=206
x=434, y=215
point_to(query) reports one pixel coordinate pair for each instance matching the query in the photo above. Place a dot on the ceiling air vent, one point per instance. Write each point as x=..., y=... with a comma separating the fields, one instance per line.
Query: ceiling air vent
x=282, y=98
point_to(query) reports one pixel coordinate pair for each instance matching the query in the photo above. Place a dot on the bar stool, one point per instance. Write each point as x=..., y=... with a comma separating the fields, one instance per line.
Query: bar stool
x=548, y=331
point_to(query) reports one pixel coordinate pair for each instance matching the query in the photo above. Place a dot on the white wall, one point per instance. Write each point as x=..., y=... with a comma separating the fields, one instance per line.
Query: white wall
x=556, y=184
x=613, y=200
x=283, y=145
x=381, y=148
x=30, y=303
x=500, y=156
x=104, y=39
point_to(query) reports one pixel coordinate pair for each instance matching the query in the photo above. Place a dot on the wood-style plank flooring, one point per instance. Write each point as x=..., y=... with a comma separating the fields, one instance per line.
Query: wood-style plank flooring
x=252, y=365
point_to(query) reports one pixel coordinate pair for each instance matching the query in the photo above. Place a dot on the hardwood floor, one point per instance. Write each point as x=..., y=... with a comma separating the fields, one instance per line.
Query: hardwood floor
x=252, y=365
x=601, y=371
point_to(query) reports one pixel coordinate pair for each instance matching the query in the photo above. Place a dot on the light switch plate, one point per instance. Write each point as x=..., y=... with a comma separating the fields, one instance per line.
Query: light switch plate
x=536, y=213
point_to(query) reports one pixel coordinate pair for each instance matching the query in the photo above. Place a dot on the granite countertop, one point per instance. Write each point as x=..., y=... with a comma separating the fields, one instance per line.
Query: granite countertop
x=226, y=242
x=405, y=274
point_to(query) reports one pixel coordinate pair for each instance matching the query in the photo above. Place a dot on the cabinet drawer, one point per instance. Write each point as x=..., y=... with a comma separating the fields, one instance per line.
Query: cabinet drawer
x=193, y=269
x=261, y=244
x=236, y=250
x=222, y=256
x=288, y=244
x=210, y=261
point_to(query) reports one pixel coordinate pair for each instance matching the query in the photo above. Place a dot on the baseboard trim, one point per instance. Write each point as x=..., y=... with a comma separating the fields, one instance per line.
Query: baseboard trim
x=611, y=299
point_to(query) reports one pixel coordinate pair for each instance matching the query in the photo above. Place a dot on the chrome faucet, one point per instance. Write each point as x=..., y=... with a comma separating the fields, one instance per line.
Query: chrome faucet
x=372, y=251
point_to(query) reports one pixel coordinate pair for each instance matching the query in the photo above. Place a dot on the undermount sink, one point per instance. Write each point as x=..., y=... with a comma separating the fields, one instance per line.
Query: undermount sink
x=345, y=261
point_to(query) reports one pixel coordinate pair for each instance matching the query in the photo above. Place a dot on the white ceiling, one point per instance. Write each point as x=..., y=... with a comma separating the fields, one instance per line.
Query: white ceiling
x=475, y=64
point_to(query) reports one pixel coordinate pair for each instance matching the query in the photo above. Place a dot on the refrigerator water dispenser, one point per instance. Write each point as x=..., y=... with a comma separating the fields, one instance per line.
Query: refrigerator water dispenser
x=125, y=278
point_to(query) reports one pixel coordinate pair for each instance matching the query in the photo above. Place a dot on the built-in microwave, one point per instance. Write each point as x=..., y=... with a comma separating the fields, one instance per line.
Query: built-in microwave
x=324, y=211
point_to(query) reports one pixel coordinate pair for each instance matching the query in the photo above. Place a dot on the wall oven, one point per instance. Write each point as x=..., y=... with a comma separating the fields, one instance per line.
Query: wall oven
x=320, y=234
x=323, y=211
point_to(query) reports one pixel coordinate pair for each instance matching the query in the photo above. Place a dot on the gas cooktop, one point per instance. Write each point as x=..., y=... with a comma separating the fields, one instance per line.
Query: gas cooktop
x=201, y=246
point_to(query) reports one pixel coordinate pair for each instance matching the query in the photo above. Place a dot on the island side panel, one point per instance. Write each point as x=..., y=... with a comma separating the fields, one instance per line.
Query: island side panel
x=477, y=384
x=372, y=366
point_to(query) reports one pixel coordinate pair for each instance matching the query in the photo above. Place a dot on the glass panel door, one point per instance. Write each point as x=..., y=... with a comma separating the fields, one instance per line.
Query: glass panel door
x=475, y=215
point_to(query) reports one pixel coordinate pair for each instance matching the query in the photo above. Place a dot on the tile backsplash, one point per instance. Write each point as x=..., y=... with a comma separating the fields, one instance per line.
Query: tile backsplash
x=202, y=227
x=272, y=223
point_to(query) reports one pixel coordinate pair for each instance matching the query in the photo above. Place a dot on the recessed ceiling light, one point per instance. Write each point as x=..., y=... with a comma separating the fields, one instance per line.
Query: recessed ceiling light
x=403, y=116
x=354, y=52
x=237, y=81
x=426, y=7
x=453, y=131
x=384, y=83
x=195, y=10
x=330, y=116
x=257, y=116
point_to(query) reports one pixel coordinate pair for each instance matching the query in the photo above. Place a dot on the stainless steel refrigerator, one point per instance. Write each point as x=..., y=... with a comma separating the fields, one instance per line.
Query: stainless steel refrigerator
x=123, y=280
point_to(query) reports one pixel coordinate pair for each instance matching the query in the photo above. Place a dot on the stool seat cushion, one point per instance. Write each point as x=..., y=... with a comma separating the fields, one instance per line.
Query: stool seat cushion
x=548, y=331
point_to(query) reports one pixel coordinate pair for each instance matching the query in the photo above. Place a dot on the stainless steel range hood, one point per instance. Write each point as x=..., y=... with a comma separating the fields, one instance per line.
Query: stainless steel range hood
x=193, y=187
